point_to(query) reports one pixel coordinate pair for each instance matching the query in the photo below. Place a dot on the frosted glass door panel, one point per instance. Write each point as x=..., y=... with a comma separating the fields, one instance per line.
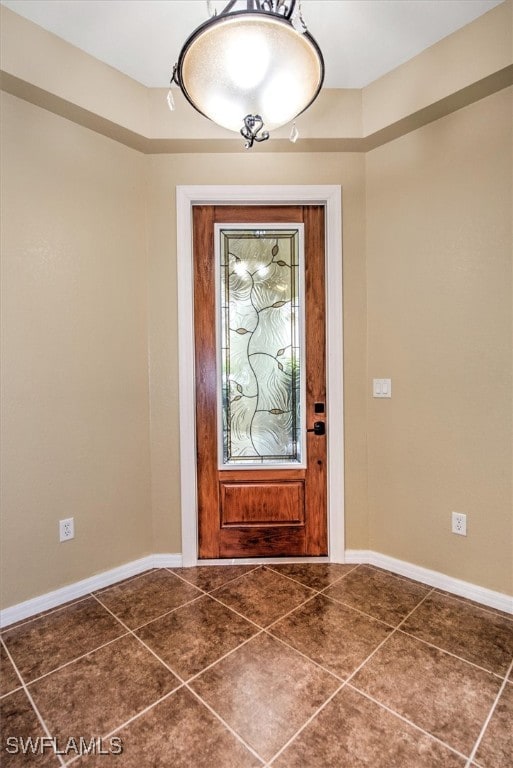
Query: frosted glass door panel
x=259, y=286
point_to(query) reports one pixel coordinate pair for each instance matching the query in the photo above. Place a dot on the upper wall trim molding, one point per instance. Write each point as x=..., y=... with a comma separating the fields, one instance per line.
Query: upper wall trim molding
x=155, y=146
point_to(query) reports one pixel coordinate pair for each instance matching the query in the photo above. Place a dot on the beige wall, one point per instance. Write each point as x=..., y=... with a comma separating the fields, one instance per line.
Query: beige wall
x=439, y=271
x=79, y=335
x=90, y=297
x=75, y=425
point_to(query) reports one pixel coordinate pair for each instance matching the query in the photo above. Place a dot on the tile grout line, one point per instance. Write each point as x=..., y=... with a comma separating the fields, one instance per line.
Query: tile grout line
x=143, y=711
x=268, y=630
x=194, y=677
x=489, y=609
x=97, y=594
x=314, y=590
x=358, y=610
x=5, y=695
x=405, y=720
x=86, y=653
x=17, y=672
x=229, y=581
x=395, y=629
x=42, y=722
x=139, y=640
x=297, y=581
x=489, y=717
x=203, y=592
x=246, y=618
x=127, y=629
x=353, y=687
x=304, y=655
x=77, y=658
x=127, y=580
x=410, y=634
x=263, y=567
x=69, y=603
x=130, y=720
x=322, y=591
x=266, y=627
x=392, y=633
x=299, y=605
x=307, y=722
x=347, y=681
x=131, y=632
x=237, y=613
x=398, y=629
x=43, y=614
x=450, y=653
x=91, y=595
x=261, y=630
x=398, y=576
x=81, y=656
x=161, y=615
x=184, y=683
x=9, y=656
x=265, y=630
x=224, y=723
x=163, y=698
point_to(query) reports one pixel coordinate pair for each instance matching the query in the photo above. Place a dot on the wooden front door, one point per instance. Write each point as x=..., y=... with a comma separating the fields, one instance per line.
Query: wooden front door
x=255, y=498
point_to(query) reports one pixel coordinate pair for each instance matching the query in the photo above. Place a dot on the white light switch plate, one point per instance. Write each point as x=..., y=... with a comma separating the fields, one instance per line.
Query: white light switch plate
x=382, y=387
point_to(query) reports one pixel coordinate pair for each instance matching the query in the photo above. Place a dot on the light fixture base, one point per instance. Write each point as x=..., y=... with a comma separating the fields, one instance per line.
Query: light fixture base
x=253, y=126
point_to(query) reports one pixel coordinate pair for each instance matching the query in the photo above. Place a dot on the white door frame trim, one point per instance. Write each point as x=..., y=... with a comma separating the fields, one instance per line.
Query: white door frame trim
x=331, y=197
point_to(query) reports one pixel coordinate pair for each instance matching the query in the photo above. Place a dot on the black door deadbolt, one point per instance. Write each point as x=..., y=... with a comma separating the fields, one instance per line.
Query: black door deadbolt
x=319, y=428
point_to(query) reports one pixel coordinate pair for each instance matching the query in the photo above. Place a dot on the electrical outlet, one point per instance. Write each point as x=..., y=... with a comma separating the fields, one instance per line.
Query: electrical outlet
x=459, y=523
x=67, y=529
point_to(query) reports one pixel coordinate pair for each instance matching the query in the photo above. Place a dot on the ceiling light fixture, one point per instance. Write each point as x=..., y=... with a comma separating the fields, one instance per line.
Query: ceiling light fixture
x=251, y=68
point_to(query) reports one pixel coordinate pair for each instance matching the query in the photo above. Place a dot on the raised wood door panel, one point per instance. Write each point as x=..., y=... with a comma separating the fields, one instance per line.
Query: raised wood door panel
x=249, y=503
x=269, y=511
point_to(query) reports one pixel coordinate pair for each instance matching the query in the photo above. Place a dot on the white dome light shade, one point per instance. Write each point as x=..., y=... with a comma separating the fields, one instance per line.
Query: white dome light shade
x=250, y=64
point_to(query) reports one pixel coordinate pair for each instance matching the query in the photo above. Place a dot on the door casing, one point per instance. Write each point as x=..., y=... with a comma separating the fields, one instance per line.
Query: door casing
x=330, y=196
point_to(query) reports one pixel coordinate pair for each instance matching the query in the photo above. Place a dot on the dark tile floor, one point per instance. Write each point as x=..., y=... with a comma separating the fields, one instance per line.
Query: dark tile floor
x=290, y=666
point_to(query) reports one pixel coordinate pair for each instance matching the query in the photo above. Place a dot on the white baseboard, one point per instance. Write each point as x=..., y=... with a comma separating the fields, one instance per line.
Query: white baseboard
x=498, y=600
x=80, y=588
x=74, y=591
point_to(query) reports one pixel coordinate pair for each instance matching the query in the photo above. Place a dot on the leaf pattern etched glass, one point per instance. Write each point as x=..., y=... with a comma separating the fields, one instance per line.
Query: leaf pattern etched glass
x=260, y=346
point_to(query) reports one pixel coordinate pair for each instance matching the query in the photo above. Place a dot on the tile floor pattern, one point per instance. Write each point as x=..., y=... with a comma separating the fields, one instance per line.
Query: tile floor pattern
x=289, y=666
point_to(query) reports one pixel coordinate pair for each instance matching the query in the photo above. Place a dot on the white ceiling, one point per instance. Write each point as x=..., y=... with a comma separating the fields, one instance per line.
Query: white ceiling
x=360, y=39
